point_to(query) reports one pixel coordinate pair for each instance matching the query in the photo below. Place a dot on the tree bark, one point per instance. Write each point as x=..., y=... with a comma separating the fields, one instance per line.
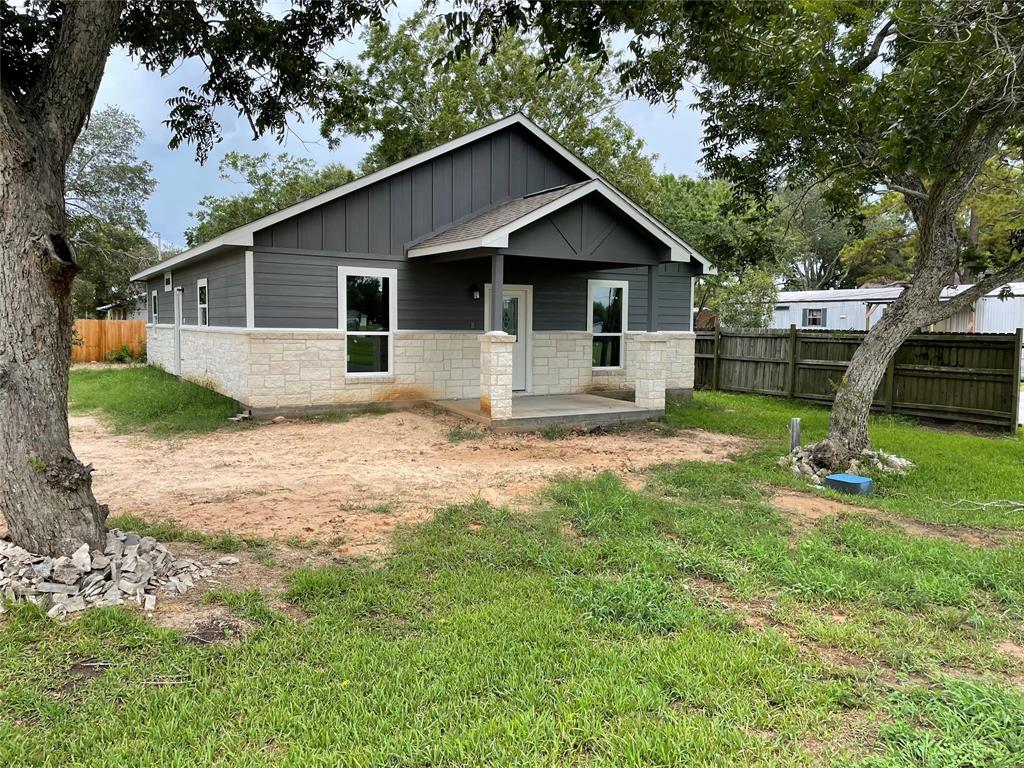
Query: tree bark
x=918, y=306
x=45, y=491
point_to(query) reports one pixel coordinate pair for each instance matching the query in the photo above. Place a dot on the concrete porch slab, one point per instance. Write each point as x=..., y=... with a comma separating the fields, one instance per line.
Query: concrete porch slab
x=531, y=412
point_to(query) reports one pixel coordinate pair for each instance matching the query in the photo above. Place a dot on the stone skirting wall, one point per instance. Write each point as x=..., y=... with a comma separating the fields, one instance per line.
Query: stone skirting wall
x=160, y=346
x=270, y=369
x=218, y=359
x=562, y=363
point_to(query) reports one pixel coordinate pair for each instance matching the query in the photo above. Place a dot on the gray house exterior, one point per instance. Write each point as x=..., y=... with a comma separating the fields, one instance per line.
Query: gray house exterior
x=495, y=264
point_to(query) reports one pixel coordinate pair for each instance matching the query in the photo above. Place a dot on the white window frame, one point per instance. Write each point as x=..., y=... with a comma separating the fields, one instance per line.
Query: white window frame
x=168, y=282
x=624, y=285
x=390, y=274
x=202, y=283
x=154, y=308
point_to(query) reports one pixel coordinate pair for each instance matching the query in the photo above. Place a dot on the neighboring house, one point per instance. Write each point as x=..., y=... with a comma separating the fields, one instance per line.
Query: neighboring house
x=858, y=309
x=383, y=288
x=131, y=308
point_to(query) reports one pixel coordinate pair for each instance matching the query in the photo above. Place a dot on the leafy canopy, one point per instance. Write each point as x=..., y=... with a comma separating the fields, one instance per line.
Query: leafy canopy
x=410, y=98
x=272, y=184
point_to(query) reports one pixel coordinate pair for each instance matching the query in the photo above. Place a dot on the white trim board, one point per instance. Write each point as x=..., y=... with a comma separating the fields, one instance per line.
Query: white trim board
x=243, y=236
x=391, y=275
x=624, y=285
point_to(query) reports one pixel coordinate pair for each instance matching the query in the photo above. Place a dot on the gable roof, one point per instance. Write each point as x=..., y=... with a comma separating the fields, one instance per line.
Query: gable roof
x=491, y=229
x=243, y=236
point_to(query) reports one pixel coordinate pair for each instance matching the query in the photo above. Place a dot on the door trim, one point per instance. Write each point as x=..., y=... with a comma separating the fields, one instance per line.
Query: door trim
x=528, y=290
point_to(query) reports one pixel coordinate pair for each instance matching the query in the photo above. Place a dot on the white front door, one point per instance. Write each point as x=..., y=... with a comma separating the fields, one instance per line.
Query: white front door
x=515, y=317
x=177, y=331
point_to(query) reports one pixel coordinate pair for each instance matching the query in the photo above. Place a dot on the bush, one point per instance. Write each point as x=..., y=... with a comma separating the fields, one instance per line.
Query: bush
x=122, y=354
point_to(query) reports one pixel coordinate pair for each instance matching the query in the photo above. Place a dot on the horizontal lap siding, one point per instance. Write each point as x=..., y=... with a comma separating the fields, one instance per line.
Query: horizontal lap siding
x=225, y=276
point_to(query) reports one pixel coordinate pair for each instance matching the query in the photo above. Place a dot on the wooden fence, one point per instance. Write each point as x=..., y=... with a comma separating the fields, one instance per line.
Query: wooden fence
x=970, y=377
x=101, y=337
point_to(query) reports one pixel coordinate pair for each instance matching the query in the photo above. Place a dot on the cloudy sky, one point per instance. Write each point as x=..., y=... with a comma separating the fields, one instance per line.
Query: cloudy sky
x=181, y=181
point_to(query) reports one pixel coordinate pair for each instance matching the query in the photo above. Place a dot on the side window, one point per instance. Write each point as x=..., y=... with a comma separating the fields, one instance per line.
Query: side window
x=607, y=312
x=203, y=302
x=814, y=318
x=154, y=308
x=367, y=310
x=168, y=282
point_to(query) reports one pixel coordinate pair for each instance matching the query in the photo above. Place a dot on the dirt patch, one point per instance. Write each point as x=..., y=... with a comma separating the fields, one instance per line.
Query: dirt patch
x=806, y=510
x=352, y=483
x=216, y=630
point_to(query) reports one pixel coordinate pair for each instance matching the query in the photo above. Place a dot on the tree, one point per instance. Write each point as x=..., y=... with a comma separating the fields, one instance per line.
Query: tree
x=261, y=66
x=736, y=236
x=811, y=241
x=107, y=187
x=412, y=99
x=747, y=301
x=273, y=185
x=905, y=96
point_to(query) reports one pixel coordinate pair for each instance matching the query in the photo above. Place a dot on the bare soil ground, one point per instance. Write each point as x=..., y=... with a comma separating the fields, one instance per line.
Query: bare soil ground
x=806, y=510
x=352, y=483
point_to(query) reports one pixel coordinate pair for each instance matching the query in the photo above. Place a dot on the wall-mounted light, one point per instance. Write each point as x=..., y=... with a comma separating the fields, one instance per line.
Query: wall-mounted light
x=475, y=292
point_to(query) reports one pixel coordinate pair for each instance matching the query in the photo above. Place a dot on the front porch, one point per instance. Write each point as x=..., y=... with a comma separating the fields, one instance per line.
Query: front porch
x=578, y=411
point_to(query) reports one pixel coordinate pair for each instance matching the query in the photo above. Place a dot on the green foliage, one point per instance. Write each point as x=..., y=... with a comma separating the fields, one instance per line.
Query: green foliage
x=408, y=102
x=558, y=431
x=124, y=354
x=459, y=433
x=107, y=187
x=273, y=184
x=167, y=530
x=745, y=302
x=148, y=399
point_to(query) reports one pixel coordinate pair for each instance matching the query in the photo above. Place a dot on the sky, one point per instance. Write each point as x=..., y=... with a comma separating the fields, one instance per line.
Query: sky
x=182, y=181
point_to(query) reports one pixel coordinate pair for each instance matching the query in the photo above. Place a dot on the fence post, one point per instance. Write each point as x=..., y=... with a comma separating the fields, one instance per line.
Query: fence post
x=890, y=384
x=1018, y=343
x=793, y=342
x=715, y=361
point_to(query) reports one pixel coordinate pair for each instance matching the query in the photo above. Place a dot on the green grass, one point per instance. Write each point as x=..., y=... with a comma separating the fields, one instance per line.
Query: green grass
x=955, y=473
x=459, y=433
x=686, y=624
x=555, y=431
x=148, y=399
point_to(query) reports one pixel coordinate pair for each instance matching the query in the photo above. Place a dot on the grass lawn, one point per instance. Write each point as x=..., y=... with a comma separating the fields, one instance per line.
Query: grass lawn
x=687, y=623
x=145, y=398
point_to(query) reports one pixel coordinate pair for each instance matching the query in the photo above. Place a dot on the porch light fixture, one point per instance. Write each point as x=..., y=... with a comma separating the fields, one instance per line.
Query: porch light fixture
x=475, y=292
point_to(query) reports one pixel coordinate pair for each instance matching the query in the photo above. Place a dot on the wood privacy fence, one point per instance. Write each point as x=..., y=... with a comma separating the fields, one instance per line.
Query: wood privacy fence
x=101, y=337
x=970, y=377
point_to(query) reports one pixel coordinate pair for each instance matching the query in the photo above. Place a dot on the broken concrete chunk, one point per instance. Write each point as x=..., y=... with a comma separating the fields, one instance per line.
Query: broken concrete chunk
x=80, y=558
x=65, y=571
x=228, y=560
x=150, y=603
x=50, y=587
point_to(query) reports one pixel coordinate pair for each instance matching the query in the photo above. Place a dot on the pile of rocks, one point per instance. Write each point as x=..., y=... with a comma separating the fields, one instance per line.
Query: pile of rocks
x=801, y=462
x=130, y=567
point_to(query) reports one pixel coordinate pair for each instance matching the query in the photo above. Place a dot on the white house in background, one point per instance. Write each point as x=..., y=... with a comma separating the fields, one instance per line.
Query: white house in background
x=130, y=308
x=858, y=309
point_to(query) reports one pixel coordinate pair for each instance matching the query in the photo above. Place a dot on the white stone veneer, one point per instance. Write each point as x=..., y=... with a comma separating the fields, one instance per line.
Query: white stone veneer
x=267, y=369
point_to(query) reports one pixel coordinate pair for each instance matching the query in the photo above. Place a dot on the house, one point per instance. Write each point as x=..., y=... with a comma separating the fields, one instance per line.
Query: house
x=858, y=309
x=495, y=264
x=129, y=308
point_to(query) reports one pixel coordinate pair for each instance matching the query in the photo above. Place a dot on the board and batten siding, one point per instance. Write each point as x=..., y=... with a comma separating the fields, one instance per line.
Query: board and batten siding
x=225, y=276
x=384, y=217
x=292, y=289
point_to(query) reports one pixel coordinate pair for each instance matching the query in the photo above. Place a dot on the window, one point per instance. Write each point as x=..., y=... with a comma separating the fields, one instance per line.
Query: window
x=814, y=318
x=154, y=308
x=168, y=283
x=203, y=302
x=367, y=308
x=608, y=309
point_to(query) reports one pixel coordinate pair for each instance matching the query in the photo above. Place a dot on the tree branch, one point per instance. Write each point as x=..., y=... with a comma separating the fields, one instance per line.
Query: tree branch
x=983, y=286
x=867, y=59
x=61, y=99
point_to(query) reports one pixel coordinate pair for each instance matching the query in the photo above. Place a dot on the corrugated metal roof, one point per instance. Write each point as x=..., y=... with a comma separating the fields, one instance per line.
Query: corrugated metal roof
x=889, y=293
x=498, y=217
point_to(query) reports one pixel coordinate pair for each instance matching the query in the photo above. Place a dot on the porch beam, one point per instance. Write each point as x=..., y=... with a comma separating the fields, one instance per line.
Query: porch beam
x=652, y=296
x=497, y=290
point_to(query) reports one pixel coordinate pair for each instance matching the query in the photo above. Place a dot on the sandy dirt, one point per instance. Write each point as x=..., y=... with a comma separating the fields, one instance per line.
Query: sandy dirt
x=352, y=483
x=805, y=510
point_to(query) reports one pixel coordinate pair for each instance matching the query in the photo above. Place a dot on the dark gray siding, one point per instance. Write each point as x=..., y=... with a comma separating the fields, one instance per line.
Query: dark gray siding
x=383, y=217
x=164, y=300
x=225, y=276
x=590, y=229
x=300, y=290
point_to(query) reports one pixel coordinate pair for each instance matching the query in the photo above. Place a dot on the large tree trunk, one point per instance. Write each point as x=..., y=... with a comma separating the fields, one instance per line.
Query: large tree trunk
x=45, y=492
x=47, y=497
x=918, y=306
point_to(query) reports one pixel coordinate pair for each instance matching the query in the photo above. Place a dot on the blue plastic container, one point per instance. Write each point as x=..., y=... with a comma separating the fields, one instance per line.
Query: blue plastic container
x=848, y=483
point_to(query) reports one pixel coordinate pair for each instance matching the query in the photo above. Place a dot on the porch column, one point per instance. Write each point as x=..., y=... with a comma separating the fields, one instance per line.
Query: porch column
x=649, y=355
x=496, y=374
x=497, y=291
x=652, y=283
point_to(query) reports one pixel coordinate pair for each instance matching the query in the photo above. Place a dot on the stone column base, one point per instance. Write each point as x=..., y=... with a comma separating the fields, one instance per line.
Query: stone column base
x=496, y=375
x=649, y=362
